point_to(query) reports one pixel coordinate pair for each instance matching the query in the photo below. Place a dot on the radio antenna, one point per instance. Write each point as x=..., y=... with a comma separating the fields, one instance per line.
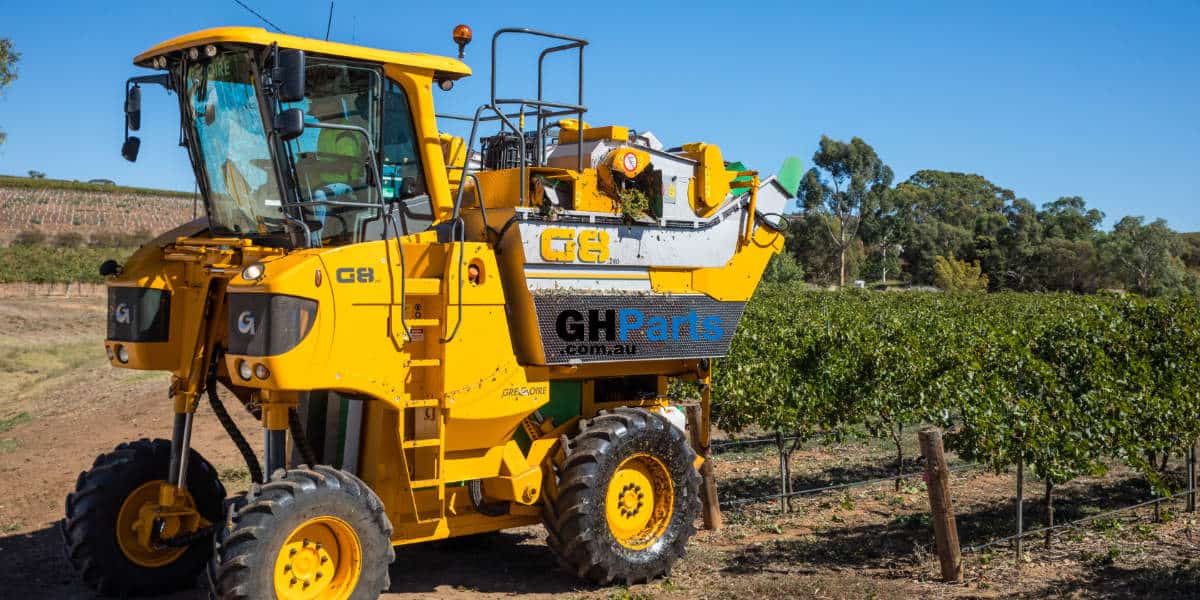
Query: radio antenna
x=255, y=13
x=329, y=23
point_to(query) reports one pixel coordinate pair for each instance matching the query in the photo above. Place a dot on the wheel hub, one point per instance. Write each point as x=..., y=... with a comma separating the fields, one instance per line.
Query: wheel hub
x=321, y=559
x=142, y=521
x=639, y=501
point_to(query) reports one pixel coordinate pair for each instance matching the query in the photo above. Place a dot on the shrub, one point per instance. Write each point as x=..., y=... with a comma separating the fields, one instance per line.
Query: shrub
x=29, y=237
x=955, y=275
x=68, y=239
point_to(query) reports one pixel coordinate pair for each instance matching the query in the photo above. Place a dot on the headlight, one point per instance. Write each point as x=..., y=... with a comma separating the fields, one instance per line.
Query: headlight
x=138, y=314
x=268, y=324
x=122, y=354
x=253, y=271
x=243, y=369
x=261, y=371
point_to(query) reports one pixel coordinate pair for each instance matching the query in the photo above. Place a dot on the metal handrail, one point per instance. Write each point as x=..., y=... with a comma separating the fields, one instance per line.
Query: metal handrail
x=458, y=226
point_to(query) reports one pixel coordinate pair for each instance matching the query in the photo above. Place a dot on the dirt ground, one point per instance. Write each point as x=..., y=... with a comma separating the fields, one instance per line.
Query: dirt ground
x=61, y=405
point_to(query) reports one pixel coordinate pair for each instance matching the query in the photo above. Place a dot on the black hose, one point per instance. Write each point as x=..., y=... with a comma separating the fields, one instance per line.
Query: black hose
x=231, y=428
x=487, y=509
x=300, y=438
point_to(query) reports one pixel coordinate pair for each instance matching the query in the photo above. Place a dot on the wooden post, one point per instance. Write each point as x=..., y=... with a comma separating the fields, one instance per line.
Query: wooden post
x=783, y=476
x=945, y=530
x=1020, y=507
x=1191, y=482
x=708, y=481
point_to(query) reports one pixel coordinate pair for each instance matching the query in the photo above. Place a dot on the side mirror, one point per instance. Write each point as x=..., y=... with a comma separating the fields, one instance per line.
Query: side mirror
x=129, y=150
x=110, y=267
x=289, y=124
x=288, y=75
x=133, y=108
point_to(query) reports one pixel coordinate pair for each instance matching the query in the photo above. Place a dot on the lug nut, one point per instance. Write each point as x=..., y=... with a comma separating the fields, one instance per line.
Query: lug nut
x=293, y=581
x=324, y=559
x=292, y=552
x=287, y=567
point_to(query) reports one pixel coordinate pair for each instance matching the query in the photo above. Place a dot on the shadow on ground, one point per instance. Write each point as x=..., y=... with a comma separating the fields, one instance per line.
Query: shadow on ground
x=1176, y=582
x=501, y=563
x=32, y=566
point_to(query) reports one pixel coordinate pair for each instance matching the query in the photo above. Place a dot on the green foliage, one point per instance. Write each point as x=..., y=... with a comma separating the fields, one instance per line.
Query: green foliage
x=634, y=204
x=783, y=268
x=8, y=68
x=849, y=206
x=955, y=275
x=29, y=237
x=847, y=185
x=1064, y=383
x=68, y=239
x=45, y=264
x=1141, y=256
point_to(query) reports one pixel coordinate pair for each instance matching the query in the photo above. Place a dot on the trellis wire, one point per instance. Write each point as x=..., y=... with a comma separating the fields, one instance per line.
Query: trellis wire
x=1071, y=525
x=741, y=501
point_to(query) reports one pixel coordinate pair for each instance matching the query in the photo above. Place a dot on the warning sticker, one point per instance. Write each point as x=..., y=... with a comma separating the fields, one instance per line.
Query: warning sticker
x=630, y=162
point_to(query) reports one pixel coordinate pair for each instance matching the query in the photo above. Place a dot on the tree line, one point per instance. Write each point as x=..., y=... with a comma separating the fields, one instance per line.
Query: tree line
x=936, y=227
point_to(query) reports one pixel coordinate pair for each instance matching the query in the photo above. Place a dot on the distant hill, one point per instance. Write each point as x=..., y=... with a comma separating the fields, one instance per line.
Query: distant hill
x=54, y=206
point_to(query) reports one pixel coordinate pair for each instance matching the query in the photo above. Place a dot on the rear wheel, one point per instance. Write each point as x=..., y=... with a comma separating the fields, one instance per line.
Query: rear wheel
x=107, y=512
x=628, y=496
x=308, y=534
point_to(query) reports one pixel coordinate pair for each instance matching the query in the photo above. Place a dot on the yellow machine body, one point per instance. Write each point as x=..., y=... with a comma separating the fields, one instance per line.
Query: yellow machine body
x=437, y=338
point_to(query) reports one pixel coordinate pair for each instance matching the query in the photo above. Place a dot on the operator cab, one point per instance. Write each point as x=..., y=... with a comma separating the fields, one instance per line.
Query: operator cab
x=297, y=142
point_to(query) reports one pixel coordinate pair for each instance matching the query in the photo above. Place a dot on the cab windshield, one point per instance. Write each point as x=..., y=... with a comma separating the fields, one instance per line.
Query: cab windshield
x=244, y=195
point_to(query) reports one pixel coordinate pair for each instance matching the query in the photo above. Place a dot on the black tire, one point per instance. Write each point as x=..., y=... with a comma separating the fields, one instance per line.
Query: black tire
x=259, y=524
x=577, y=527
x=90, y=528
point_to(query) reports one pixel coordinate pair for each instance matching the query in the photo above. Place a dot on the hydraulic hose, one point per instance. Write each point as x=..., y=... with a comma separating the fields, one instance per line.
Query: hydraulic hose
x=231, y=428
x=300, y=438
x=487, y=509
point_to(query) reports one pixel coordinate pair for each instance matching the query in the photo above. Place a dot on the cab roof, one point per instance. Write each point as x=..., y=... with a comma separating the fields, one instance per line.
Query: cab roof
x=442, y=67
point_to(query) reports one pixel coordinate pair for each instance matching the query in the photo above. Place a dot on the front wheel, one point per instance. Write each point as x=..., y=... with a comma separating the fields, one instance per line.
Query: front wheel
x=628, y=497
x=307, y=534
x=105, y=530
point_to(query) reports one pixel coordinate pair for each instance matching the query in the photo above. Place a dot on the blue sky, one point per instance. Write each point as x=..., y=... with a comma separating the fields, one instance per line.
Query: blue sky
x=1097, y=99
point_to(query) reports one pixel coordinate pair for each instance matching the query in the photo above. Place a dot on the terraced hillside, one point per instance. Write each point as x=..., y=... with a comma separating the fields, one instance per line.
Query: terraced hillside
x=55, y=206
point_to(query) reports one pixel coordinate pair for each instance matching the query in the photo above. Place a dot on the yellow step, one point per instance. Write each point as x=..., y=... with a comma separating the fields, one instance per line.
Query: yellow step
x=430, y=443
x=422, y=286
x=423, y=403
x=422, y=322
x=425, y=362
x=424, y=483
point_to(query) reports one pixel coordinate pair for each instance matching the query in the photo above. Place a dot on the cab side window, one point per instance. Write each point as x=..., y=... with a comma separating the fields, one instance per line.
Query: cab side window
x=403, y=177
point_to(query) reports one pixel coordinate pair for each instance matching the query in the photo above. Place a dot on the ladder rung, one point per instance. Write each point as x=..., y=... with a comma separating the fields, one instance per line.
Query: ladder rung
x=429, y=443
x=423, y=403
x=422, y=322
x=422, y=286
x=424, y=483
x=425, y=362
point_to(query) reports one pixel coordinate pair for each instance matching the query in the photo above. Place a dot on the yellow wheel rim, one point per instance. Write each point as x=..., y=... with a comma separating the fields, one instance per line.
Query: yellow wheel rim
x=322, y=558
x=639, y=502
x=137, y=516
